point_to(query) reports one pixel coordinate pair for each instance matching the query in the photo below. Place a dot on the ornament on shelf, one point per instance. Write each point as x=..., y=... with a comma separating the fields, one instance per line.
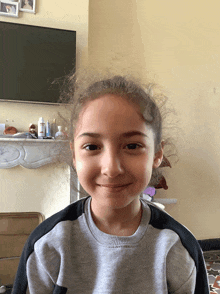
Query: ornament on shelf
x=32, y=130
x=162, y=183
x=10, y=131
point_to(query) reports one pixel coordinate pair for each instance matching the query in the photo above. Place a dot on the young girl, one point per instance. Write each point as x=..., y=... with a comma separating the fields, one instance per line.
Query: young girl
x=113, y=241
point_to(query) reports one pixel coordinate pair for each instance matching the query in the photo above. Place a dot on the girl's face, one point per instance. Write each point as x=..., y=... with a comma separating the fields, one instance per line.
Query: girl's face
x=113, y=151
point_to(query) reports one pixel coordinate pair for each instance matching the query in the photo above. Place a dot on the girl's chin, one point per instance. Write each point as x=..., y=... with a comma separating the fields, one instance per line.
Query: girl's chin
x=115, y=202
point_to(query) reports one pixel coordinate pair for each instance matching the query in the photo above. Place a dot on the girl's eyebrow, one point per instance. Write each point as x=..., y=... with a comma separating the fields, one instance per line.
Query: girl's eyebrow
x=124, y=135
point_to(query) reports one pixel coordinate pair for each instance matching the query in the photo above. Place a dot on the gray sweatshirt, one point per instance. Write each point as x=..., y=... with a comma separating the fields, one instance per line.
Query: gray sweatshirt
x=67, y=253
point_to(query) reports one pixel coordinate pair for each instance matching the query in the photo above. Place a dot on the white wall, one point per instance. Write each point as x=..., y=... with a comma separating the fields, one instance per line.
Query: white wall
x=175, y=44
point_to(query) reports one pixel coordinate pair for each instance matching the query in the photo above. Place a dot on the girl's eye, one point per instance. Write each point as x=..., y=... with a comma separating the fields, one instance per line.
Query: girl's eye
x=91, y=147
x=133, y=146
x=94, y=147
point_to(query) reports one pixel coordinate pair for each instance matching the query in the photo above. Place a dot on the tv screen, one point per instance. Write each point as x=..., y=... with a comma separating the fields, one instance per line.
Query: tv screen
x=31, y=59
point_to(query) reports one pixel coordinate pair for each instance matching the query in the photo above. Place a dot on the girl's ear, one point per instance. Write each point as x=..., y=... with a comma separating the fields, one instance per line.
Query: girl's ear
x=158, y=157
x=73, y=155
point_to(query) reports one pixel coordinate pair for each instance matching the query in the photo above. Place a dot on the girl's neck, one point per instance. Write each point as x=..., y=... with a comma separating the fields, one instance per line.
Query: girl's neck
x=119, y=222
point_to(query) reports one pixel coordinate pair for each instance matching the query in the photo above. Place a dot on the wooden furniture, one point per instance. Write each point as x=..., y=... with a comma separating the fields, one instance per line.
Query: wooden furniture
x=14, y=231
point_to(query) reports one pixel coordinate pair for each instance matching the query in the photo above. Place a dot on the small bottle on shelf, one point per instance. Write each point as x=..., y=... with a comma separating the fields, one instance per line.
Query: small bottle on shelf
x=53, y=128
x=60, y=135
x=41, y=128
x=48, y=130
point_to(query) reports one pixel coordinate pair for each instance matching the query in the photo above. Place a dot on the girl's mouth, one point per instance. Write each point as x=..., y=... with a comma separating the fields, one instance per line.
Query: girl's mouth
x=114, y=187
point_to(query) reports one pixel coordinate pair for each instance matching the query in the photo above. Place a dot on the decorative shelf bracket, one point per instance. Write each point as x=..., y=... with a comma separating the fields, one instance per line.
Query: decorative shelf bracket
x=33, y=153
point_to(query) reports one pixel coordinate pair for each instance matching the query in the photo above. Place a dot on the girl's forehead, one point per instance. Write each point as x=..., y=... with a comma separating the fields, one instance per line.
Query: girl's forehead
x=110, y=114
x=110, y=104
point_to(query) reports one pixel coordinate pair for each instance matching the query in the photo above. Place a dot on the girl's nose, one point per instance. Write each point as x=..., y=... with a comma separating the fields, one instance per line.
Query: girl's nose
x=111, y=164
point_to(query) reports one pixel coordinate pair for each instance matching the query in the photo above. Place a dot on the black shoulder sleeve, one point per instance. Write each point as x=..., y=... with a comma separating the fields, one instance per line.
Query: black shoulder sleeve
x=161, y=220
x=71, y=212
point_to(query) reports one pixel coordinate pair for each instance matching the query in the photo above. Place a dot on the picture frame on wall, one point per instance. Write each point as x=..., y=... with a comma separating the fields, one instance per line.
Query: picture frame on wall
x=28, y=5
x=9, y=8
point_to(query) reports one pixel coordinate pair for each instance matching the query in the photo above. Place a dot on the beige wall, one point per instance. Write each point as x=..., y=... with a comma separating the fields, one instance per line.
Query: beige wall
x=46, y=189
x=176, y=44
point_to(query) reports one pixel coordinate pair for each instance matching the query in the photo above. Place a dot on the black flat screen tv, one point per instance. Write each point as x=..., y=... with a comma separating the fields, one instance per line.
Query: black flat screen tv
x=31, y=59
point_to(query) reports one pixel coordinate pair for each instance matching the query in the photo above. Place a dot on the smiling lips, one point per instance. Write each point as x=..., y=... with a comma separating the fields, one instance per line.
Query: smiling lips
x=113, y=186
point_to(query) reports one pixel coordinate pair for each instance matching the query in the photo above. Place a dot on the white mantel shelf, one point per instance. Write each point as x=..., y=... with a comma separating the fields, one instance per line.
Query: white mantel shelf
x=33, y=153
